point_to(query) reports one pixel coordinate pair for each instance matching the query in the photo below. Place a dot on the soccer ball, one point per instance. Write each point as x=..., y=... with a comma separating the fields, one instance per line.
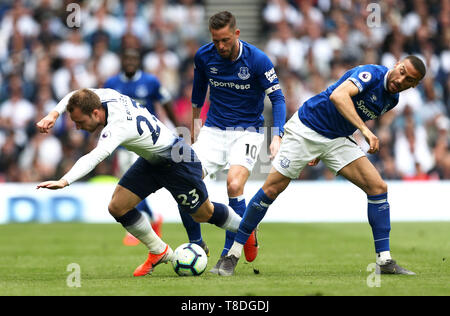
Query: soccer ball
x=189, y=259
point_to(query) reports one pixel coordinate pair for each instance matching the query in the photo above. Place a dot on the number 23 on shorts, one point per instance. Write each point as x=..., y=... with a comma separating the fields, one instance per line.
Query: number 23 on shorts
x=191, y=199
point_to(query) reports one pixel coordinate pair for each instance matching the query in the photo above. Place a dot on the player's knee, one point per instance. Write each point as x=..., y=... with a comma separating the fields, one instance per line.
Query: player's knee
x=378, y=188
x=235, y=187
x=114, y=209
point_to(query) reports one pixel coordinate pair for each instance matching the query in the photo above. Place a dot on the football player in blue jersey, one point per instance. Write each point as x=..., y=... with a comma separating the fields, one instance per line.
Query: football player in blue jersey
x=146, y=89
x=322, y=130
x=239, y=76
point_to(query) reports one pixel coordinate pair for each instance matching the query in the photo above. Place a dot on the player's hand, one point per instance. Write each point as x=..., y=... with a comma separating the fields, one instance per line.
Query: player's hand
x=195, y=129
x=53, y=185
x=274, y=146
x=314, y=162
x=45, y=124
x=372, y=140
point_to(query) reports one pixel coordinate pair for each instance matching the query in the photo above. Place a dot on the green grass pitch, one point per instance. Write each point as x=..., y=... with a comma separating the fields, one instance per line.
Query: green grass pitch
x=294, y=259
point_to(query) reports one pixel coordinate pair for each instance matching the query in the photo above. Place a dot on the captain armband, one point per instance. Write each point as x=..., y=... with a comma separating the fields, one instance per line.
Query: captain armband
x=273, y=88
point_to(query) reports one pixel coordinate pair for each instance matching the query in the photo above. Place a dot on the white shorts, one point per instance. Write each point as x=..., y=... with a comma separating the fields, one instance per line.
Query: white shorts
x=219, y=149
x=300, y=145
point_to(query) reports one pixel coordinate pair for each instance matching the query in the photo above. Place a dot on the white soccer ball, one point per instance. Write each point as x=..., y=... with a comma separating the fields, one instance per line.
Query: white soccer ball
x=189, y=259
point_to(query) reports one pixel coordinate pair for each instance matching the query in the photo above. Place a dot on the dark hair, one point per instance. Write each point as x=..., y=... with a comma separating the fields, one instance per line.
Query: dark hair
x=417, y=64
x=221, y=20
x=84, y=99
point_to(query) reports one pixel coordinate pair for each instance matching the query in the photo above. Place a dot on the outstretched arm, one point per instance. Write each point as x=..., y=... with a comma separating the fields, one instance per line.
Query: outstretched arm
x=87, y=163
x=45, y=124
x=53, y=185
x=342, y=99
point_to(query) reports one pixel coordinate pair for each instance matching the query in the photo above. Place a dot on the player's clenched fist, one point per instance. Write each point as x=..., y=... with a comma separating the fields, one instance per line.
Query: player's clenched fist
x=45, y=124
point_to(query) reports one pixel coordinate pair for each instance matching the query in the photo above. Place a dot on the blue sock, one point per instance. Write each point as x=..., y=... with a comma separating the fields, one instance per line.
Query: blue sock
x=192, y=228
x=238, y=205
x=255, y=212
x=379, y=220
x=143, y=207
x=220, y=215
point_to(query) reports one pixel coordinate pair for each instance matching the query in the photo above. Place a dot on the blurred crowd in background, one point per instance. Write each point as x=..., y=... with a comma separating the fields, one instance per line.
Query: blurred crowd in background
x=311, y=43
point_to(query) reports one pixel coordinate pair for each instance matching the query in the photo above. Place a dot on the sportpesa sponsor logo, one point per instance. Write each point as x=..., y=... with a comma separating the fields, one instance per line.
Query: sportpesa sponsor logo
x=232, y=85
x=360, y=105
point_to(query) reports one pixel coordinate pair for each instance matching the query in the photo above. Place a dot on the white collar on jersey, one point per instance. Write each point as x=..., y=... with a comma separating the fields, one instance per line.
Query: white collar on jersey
x=240, y=50
x=136, y=76
x=385, y=80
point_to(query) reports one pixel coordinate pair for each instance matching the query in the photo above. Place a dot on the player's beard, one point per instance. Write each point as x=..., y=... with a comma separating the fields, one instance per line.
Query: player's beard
x=225, y=54
x=228, y=54
x=391, y=86
x=130, y=74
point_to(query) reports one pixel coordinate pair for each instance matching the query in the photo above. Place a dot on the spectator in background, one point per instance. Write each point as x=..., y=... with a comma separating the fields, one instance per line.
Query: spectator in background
x=40, y=157
x=37, y=45
x=9, y=151
x=133, y=21
x=164, y=64
x=16, y=112
x=411, y=151
x=104, y=62
x=277, y=11
x=72, y=76
x=160, y=23
x=285, y=50
x=188, y=17
x=102, y=21
x=74, y=48
x=16, y=23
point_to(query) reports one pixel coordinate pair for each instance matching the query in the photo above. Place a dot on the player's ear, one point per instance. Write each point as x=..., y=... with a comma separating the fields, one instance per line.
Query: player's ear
x=237, y=32
x=95, y=113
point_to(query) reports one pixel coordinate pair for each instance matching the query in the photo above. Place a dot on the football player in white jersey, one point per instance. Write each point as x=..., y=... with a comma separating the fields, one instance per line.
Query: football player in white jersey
x=165, y=161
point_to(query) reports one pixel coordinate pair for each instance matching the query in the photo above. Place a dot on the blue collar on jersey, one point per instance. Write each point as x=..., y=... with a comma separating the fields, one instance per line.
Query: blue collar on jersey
x=136, y=76
x=105, y=106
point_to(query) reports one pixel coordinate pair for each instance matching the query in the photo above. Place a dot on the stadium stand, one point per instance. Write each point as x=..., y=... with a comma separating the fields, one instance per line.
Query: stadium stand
x=311, y=43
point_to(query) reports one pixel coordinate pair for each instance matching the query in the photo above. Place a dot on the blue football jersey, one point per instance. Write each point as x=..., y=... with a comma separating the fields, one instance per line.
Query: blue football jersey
x=373, y=100
x=237, y=88
x=145, y=88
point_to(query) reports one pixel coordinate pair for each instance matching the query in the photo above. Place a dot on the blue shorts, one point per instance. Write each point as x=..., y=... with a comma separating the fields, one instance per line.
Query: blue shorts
x=182, y=179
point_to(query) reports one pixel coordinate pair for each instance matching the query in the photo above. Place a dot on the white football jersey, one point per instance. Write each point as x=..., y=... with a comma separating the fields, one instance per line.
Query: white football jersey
x=128, y=124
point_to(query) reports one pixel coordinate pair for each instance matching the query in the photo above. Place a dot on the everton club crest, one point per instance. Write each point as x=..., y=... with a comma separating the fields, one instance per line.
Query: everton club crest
x=284, y=162
x=244, y=74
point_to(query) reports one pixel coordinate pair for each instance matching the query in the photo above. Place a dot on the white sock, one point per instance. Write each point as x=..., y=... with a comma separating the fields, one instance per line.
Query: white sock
x=383, y=256
x=236, y=249
x=233, y=221
x=143, y=231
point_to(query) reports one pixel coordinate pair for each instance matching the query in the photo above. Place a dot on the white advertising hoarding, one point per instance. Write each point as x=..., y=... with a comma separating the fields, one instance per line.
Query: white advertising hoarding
x=303, y=201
